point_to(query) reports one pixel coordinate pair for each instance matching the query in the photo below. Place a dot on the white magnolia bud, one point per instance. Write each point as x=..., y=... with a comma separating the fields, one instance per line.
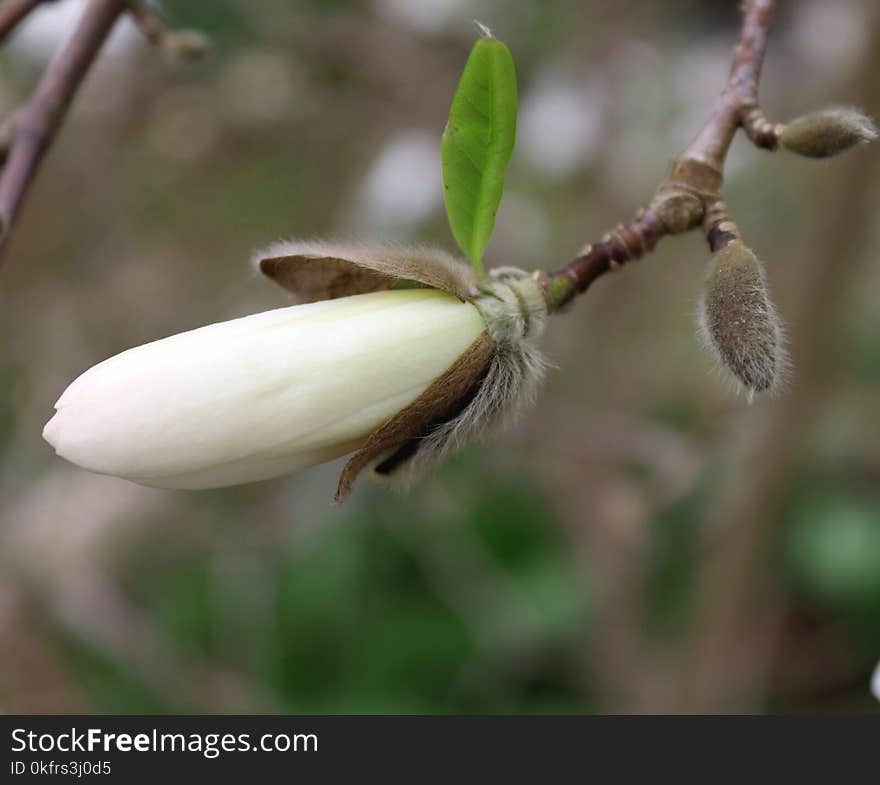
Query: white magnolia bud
x=263, y=395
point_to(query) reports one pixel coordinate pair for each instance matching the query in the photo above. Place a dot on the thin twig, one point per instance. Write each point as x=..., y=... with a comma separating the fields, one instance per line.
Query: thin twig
x=13, y=11
x=29, y=130
x=148, y=21
x=38, y=120
x=693, y=183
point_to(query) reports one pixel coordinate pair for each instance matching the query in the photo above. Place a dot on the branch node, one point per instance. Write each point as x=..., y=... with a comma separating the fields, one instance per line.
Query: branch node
x=719, y=228
x=759, y=129
x=625, y=243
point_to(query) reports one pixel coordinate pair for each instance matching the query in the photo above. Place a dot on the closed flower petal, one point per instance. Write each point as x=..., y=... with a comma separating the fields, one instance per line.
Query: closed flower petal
x=263, y=395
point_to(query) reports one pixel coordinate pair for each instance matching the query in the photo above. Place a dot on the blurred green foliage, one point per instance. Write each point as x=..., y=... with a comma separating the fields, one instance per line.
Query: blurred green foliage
x=364, y=621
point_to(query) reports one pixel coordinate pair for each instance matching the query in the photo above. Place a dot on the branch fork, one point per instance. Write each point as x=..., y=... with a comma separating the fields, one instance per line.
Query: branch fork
x=690, y=197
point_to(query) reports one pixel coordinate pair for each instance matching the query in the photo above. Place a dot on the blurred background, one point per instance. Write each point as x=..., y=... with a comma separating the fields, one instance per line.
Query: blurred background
x=644, y=540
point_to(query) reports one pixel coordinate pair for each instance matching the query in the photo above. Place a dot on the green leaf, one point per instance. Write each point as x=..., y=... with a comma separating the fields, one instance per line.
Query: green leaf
x=477, y=144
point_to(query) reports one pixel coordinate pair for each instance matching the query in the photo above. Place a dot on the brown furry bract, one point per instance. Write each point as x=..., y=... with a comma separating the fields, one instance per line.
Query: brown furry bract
x=398, y=440
x=314, y=270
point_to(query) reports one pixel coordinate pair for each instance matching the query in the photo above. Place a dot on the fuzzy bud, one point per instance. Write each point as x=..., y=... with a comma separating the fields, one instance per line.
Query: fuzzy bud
x=828, y=132
x=737, y=320
x=186, y=45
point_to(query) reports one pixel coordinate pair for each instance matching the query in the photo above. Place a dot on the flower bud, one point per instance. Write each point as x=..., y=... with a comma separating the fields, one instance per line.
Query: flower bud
x=402, y=376
x=263, y=395
x=186, y=45
x=738, y=322
x=828, y=132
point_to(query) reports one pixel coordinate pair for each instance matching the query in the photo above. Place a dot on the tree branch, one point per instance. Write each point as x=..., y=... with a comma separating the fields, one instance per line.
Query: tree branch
x=693, y=183
x=724, y=670
x=36, y=123
x=13, y=11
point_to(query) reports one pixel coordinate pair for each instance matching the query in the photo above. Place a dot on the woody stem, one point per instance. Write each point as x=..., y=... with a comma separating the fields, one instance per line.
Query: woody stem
x=692, y=186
